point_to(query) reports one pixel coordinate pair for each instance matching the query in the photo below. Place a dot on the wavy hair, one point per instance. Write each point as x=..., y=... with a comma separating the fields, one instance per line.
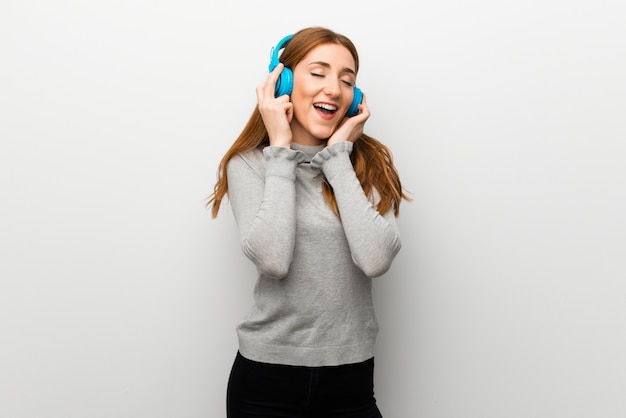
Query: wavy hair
x=372, y=161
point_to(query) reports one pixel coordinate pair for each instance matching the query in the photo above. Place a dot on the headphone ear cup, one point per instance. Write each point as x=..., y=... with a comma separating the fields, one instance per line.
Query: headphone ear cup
x=284, y=84
x=356, y=101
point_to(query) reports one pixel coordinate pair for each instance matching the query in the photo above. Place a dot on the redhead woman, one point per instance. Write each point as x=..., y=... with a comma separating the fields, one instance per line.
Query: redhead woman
x=315, y=200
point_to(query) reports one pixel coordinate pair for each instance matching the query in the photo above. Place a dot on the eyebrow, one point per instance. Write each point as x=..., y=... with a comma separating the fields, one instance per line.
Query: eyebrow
x=327, y=65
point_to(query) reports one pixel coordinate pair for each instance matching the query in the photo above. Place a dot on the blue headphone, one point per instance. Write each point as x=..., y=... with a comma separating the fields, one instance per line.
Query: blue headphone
x=284, y=84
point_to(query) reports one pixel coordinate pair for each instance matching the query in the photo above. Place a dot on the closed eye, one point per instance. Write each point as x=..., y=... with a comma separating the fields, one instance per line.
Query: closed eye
x=346, y=82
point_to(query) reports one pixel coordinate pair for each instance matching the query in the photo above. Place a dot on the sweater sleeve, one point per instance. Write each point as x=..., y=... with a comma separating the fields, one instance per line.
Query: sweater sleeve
x=263, y=205
x=374, y=239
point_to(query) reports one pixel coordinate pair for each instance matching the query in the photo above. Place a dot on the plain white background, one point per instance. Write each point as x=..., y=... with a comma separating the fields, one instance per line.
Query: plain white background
x=119, y=294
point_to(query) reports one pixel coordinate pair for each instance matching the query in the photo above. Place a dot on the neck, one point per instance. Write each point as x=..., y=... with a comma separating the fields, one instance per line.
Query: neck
x=310, y=141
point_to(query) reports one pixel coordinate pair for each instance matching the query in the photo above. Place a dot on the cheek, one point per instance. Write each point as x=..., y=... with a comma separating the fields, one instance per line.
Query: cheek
x=299, y=91
x=303, y=87
x=301, y=99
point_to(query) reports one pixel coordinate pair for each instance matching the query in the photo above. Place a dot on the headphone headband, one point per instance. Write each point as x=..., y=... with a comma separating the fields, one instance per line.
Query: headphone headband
x=275, y=50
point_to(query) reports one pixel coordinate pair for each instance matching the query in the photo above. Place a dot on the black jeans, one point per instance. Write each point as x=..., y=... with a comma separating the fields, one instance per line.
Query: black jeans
x=280, y=391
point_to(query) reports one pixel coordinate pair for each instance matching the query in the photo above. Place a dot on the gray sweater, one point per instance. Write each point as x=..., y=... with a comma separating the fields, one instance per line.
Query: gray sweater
x=313, y=296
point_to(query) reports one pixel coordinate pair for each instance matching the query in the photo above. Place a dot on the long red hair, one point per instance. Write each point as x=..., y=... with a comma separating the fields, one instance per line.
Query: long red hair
x=372, y=160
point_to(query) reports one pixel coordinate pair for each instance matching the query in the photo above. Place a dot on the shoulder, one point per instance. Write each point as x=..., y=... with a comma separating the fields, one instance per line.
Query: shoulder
x=251, y=160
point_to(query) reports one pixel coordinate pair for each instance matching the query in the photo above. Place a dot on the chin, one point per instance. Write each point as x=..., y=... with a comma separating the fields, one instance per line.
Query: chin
x=323, y=134
x=322, y=137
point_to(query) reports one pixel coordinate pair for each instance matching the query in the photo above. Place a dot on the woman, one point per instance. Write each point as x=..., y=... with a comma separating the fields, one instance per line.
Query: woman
x=315, y=201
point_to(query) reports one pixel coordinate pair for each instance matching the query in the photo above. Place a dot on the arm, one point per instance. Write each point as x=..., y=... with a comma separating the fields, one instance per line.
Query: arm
x=374, y=240
x=263, y=204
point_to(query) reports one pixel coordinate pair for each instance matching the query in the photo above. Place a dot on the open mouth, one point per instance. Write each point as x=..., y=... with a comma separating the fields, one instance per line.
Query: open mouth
x=325, y=108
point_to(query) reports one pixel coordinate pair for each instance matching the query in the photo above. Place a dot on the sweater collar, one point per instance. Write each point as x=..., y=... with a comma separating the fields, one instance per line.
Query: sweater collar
x=309, y=150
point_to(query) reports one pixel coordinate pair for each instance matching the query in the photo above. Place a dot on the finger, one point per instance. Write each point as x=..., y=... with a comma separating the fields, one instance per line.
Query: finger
x=364, y=102
x=364, y=108
x=270, y=82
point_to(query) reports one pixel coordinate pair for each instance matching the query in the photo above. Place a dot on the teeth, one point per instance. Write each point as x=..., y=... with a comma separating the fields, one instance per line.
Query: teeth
x=325, y=106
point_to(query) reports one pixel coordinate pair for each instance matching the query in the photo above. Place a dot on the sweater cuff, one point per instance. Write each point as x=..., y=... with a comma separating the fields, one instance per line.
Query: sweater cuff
x=334, y=159
x=282, y=162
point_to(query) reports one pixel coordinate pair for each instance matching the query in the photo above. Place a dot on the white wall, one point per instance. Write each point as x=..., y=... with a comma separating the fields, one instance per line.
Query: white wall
x=119, y=295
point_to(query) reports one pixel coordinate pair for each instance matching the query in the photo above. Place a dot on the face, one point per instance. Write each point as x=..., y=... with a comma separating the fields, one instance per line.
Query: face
x=323, y=87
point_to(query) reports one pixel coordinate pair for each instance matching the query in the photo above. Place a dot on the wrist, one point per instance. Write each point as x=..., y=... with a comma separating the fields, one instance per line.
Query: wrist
x=280, y=142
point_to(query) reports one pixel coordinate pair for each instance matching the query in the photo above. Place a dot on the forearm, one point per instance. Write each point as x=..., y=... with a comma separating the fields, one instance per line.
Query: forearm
x=264, y=208
x=373, y=239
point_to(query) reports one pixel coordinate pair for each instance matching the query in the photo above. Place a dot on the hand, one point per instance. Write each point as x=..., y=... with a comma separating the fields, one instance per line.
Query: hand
x=351, y=128
x=276, y=112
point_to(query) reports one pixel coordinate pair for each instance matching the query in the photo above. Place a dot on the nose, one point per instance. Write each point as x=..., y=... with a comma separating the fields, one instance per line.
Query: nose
x=332, y=87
